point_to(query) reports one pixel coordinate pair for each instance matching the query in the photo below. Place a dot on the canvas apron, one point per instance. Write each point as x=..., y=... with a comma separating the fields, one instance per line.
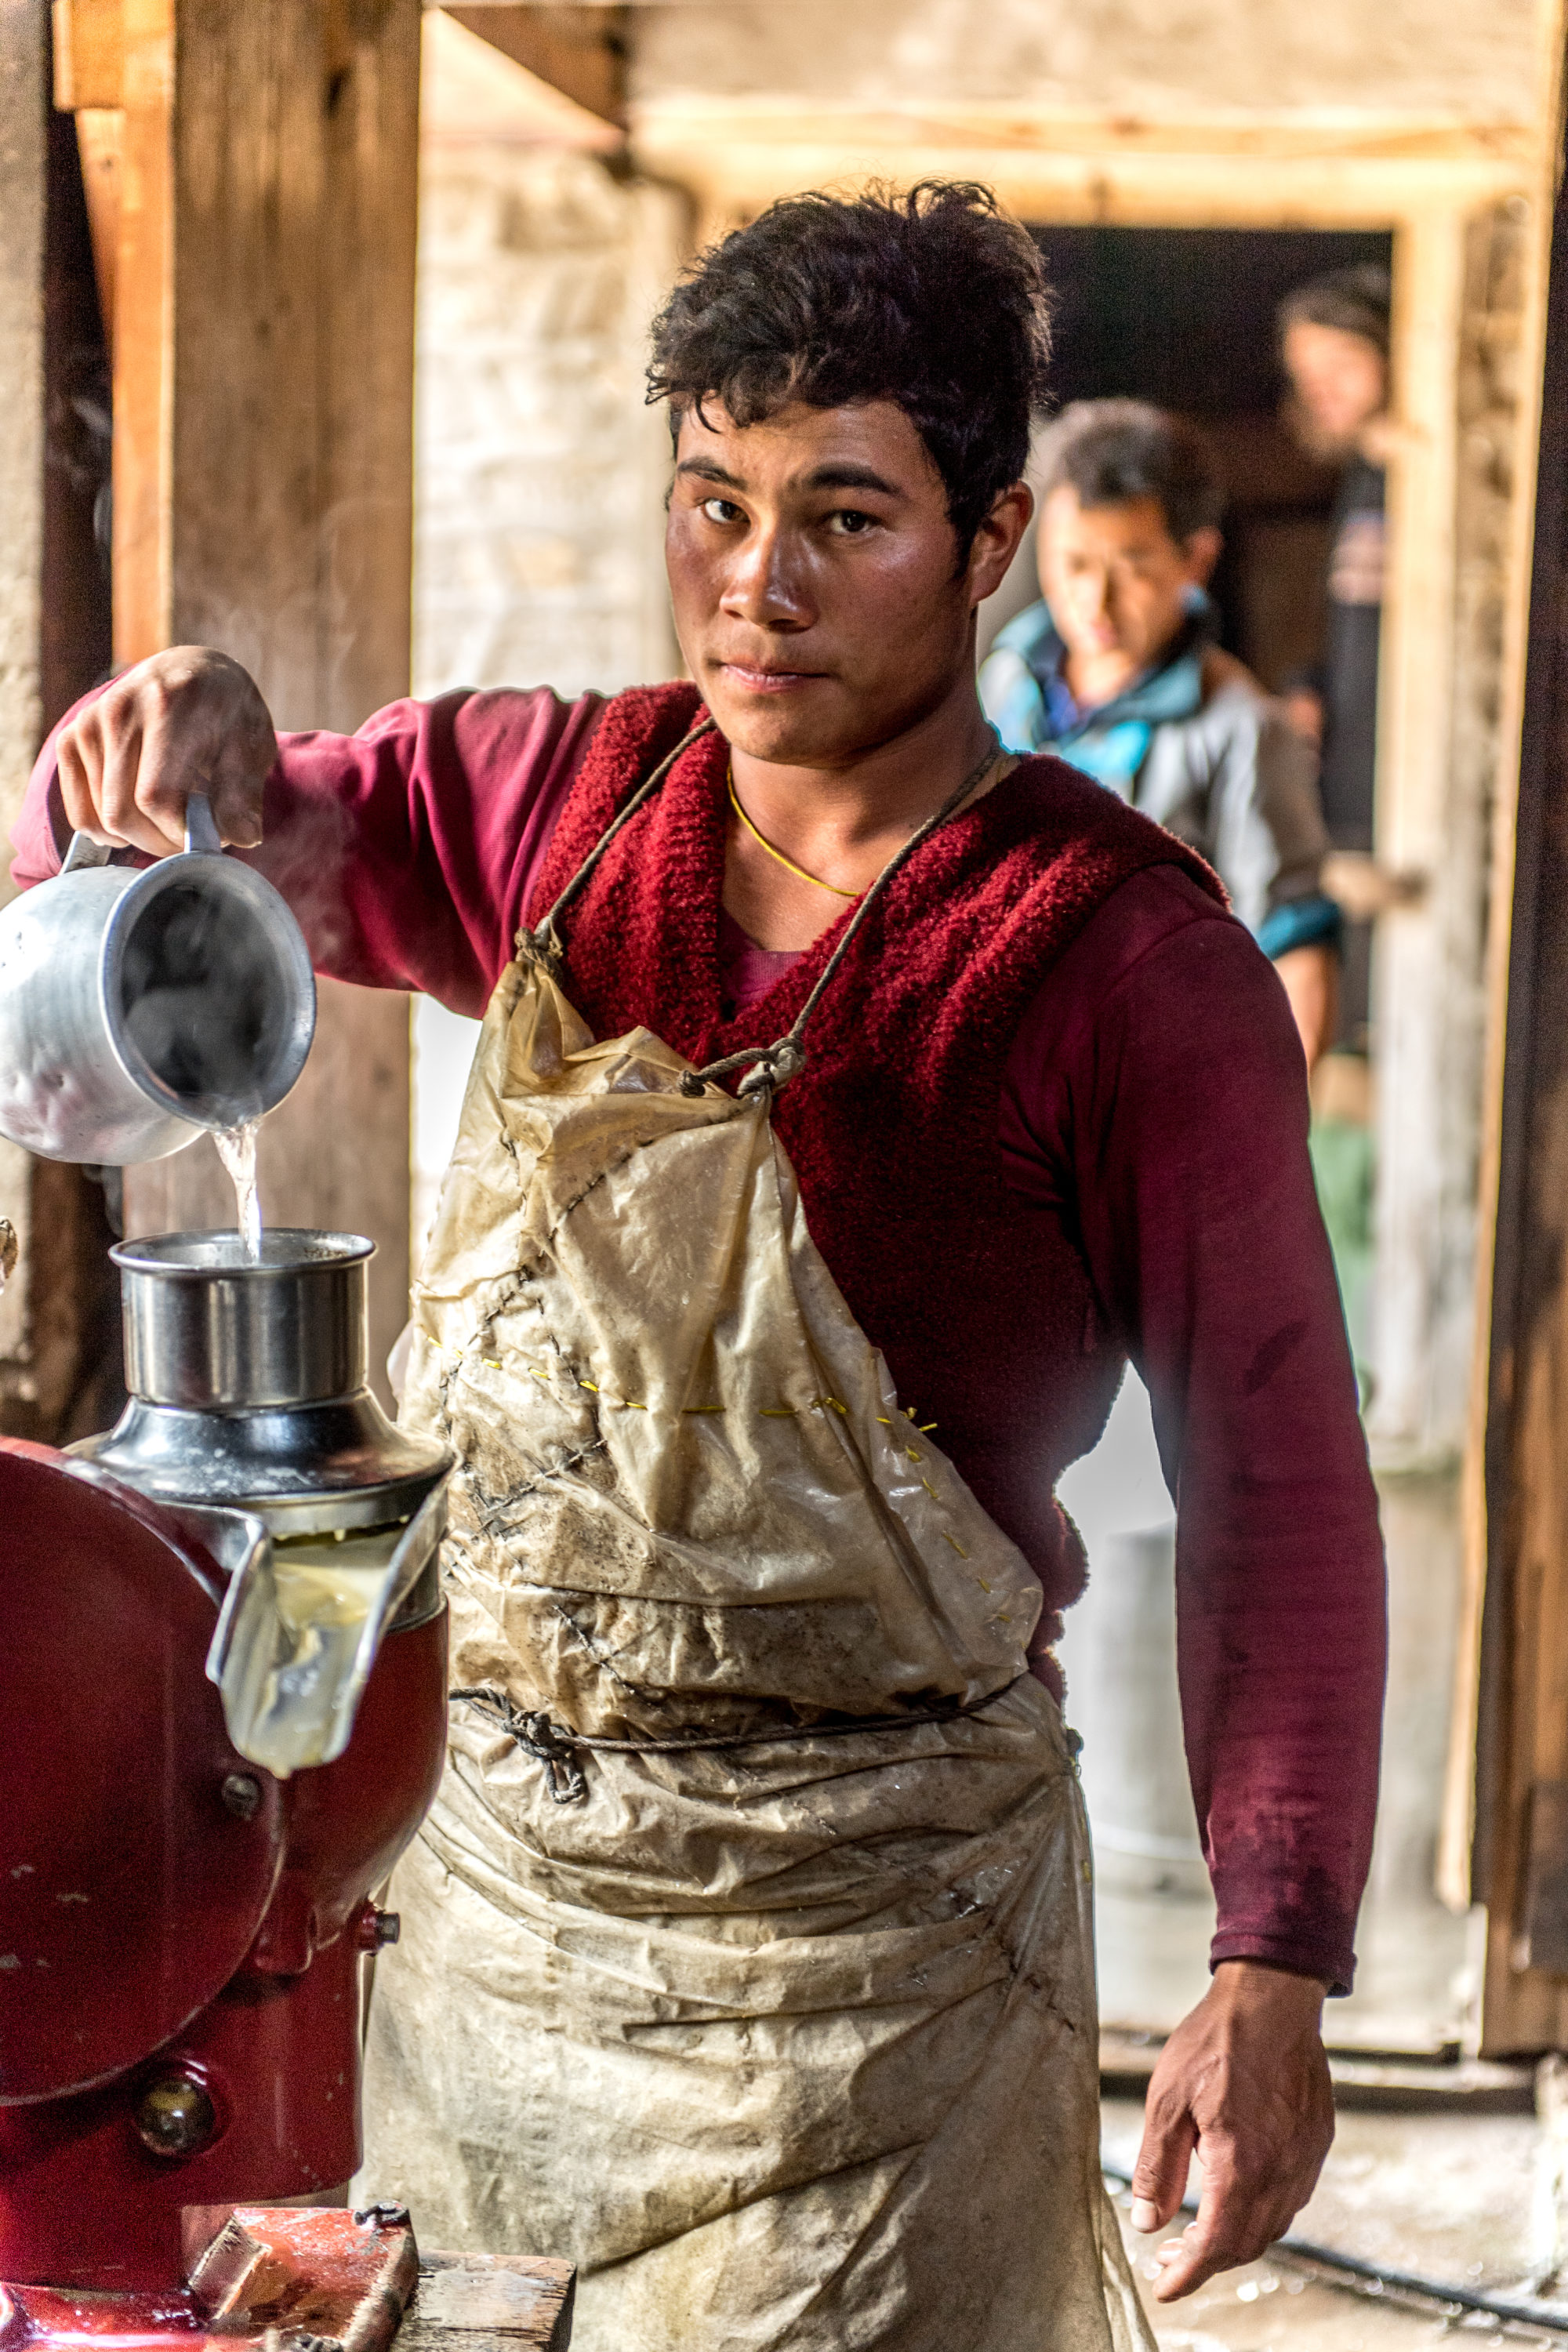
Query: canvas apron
x=746, y=1952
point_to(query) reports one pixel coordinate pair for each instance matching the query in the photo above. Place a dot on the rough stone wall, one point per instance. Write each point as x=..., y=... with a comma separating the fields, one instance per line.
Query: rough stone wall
x=539, y=475
x=1203, y=58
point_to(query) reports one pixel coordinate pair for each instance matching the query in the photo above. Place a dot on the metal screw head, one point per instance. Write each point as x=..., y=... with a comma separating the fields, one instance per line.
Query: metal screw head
x=375, y=1930
x=241, y=1795
x=174, y=2116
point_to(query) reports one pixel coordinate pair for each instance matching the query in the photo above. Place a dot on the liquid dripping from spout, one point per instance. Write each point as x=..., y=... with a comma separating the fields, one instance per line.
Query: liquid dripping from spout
x=237, y=1149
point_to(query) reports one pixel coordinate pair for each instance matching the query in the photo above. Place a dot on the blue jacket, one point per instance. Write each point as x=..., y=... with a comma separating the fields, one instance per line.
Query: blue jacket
x=1195, y=744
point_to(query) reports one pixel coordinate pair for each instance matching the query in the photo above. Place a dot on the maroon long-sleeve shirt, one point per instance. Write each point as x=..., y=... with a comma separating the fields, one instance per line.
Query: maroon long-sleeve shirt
x=1155, y=1105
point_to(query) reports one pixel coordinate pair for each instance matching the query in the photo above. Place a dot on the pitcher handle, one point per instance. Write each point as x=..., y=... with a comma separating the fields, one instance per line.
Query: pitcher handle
x=201, y=828
x=201, y=834
x=85, y=851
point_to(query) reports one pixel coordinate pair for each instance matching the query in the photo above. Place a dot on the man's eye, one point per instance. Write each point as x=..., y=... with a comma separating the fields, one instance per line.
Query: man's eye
x=720, y=509
x=850, y=523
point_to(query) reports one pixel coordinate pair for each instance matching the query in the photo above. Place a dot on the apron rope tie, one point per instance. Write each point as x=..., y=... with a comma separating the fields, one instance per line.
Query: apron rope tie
x=555, y=1747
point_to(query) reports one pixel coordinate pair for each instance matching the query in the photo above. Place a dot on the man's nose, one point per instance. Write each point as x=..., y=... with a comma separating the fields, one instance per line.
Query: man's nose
x=764, y=584
x=1096, y=592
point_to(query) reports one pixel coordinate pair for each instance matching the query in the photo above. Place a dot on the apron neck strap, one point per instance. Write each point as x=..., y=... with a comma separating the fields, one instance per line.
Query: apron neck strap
x=542, y=944
x=774, y=1066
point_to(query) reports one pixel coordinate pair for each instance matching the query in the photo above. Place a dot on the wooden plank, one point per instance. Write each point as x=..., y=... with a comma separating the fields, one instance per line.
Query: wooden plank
x=89, y=53
x=264, y=429
x=57, y=1325
x=489, y=2303
x=101, y=135
x=1522, y=1707
x=144, y=336
x=580, y=51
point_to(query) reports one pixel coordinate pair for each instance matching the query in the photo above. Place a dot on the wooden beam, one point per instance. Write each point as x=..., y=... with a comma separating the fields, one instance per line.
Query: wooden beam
x=580, y=51
x=263, y=475
x=737, y=154
x=57, y=1335
x=89, y=53
x=1522, y=1711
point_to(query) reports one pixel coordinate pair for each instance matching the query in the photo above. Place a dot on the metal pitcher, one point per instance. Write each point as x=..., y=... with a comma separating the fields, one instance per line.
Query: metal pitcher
x=139, y=1008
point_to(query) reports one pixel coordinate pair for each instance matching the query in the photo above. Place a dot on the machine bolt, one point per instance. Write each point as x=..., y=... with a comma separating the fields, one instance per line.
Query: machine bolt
x=241, y=1795
x=378, y=1929
x=175, y=2116
x=381, y=2217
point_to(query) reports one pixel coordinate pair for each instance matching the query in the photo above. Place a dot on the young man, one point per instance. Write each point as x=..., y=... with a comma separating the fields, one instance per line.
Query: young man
x=1118, y=672
x=785, y=2035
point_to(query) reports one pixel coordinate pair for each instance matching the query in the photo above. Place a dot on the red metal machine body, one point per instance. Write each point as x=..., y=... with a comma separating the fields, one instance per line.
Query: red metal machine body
x=180, y=1932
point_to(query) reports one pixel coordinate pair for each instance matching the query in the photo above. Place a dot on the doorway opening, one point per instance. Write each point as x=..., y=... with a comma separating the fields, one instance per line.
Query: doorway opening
x=1186, y=319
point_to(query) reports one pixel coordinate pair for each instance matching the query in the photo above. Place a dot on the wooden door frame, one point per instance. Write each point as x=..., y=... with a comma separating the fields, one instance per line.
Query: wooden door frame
x=1427, y=186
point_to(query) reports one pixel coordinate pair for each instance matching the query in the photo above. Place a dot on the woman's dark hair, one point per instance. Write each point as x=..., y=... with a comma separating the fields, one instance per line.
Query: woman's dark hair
x=1357, y=301
x=1112, y=451
x=927, y=296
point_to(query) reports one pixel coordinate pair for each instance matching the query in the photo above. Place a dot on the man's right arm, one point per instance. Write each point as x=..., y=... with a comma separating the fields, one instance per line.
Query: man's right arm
x=406, y=850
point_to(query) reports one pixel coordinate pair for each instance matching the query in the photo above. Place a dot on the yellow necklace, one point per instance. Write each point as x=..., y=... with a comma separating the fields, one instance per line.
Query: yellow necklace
x=787, y=863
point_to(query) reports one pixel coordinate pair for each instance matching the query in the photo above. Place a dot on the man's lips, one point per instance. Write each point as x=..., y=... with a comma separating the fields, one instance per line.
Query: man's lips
x=767, y=681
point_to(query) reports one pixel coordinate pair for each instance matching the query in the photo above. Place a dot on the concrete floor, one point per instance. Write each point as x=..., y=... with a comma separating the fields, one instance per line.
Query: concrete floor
x=1448, y=2196
x=1154, y=1915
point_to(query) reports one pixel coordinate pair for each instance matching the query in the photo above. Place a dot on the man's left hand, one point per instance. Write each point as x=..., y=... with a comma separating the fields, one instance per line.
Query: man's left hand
x=1244, y=2081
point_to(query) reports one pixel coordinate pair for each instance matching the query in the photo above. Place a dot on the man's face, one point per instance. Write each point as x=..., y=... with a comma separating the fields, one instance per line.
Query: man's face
x=1116, y=581
x=1340, y=381
x=812, y=569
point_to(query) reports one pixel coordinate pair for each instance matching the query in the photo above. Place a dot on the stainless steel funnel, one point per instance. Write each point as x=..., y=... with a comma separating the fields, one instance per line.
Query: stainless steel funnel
x=248, y=1387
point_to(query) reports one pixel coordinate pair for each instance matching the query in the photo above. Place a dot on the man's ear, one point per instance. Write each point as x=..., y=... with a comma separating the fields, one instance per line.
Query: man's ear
x=1201, y=552
x=996, y=540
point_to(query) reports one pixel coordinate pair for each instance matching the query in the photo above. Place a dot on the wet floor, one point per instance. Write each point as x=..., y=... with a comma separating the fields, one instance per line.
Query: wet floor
x=1450, y=2197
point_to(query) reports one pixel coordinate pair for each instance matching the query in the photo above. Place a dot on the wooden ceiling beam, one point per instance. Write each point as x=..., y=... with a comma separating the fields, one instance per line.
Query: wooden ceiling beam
x=580, y=51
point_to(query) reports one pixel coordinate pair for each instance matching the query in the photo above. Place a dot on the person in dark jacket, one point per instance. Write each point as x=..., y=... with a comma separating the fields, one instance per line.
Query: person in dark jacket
x=1333, y=344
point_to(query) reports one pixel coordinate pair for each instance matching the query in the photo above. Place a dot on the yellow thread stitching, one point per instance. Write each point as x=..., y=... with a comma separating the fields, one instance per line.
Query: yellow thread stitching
x=776, y=1412
x=958, y=1547
x=836, y=1403
x=923, y=1426
x=931, y=1490
x=912, y=1454
x=592, y=1385
x=702, y=1408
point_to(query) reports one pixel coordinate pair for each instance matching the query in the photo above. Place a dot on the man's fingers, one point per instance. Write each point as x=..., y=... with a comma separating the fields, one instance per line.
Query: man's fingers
x=239, y=774
x=188, y=720
x=1160, y=2174
x=180, y=749
x=77, y=772
x=1238, y=2220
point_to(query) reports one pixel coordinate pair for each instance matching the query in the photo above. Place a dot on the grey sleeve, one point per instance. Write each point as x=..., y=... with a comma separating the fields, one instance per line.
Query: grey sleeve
x=1265, y=818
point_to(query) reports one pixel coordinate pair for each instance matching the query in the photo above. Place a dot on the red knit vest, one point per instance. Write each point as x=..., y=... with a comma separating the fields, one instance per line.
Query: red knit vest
x=983, y=1307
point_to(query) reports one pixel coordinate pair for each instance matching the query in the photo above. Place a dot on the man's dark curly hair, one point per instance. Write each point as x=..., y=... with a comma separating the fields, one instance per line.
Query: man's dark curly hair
x=927, y=297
